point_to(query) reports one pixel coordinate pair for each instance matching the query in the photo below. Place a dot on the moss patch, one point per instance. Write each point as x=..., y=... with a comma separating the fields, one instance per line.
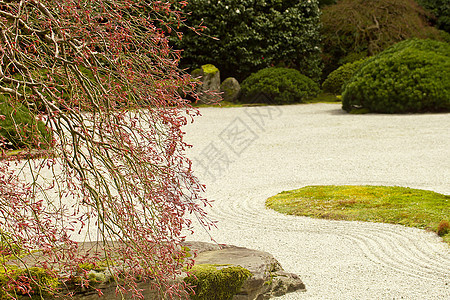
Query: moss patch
x=209, y=69
x=15, y=281
x=215, y=282
x=395, y=205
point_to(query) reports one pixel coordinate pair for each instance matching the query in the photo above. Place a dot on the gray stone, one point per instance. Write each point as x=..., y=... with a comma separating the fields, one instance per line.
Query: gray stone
x=209, y=88
x=231, y=89
x=268, y=277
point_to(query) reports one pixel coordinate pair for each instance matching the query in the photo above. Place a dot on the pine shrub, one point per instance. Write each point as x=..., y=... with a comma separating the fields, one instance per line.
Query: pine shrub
x=411, y=76
x=337, y=79
x=278, y=86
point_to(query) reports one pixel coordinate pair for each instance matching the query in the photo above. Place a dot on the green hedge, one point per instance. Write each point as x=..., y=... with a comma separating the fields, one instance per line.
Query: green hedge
x=20, y=127
x=411, y=76
x=337, y=79
x=278, y=86
x=252, y=35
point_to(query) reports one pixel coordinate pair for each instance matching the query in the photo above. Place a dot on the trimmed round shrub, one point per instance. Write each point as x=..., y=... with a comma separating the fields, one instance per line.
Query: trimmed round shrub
x=337, y=79
x=252, y=35
x=20, y=128
x=411, y=76
x=278, y=86
x=369, y=27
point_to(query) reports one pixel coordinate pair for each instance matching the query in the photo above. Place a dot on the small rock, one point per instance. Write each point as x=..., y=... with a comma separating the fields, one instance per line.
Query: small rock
x=231, y=89
x=268, y=277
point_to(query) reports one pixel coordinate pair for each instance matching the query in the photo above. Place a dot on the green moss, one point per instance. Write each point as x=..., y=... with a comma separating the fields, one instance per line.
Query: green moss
x=99, y=266
x=387, y=204
x=360, y=111
x=211, y=282
x=43, y=282
x=209, y=69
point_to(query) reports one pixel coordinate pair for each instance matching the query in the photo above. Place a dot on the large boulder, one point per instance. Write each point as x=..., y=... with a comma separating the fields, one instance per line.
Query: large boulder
x=268, y=278
x=263, y=275
x=230, y=89
x=209, y=76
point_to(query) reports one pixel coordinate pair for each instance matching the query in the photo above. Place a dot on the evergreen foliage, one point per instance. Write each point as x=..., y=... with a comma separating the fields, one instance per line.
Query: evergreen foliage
x=411, y=76
x=279, y=86
x=20, y=128
x=337, y=79
x=251, y=35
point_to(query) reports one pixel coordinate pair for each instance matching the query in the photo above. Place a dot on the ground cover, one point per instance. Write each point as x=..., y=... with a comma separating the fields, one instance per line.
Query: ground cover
x=395, y=205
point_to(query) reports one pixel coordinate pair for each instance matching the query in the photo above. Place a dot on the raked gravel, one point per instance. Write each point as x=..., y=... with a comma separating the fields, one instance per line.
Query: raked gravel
x=245, y=155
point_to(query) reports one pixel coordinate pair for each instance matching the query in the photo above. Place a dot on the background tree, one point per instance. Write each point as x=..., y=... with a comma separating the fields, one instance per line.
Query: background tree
x=251, y=35
x=440, y=10
x=353, y=29
x=101, y=75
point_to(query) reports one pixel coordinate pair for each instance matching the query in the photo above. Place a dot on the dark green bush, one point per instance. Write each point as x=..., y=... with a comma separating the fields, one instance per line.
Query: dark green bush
x=337, y=79
x=354, y=27
x=440, y=10
x=278, y=86
x=411, y=76
x=20, y=128
x=253, y=35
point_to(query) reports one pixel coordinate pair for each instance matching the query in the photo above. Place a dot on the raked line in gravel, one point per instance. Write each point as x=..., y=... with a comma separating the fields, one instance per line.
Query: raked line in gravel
x=245, y=155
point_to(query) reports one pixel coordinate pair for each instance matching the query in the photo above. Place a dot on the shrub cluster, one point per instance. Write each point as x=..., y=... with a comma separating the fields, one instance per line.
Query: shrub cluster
x=20, y=128
x=337, y=79
x=411, y=76
x=252, y=35
x=355, y=27
x=278, y=86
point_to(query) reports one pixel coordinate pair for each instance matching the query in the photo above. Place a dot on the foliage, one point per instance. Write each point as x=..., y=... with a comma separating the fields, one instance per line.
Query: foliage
x=411, y=76
x=323, y=3
x=396, y=205
x=440, y=10
x=351, y=27
x=251, y=35
x=337, y=79
x=279, y=86
x=110, y=94
x=216, y=282
x=20, y=129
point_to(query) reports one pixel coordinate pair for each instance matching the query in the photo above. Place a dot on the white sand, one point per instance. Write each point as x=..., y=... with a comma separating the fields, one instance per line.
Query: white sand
x=288, y=147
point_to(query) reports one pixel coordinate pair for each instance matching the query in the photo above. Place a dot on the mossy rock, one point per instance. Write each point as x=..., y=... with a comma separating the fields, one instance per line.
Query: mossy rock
x=216, y=282
x=230, y=89
x=209, y=69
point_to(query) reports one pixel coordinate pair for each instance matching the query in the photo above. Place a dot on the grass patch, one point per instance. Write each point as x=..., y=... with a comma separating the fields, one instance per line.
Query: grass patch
x=386, y=204
x=324, y=98
x=321, y=98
